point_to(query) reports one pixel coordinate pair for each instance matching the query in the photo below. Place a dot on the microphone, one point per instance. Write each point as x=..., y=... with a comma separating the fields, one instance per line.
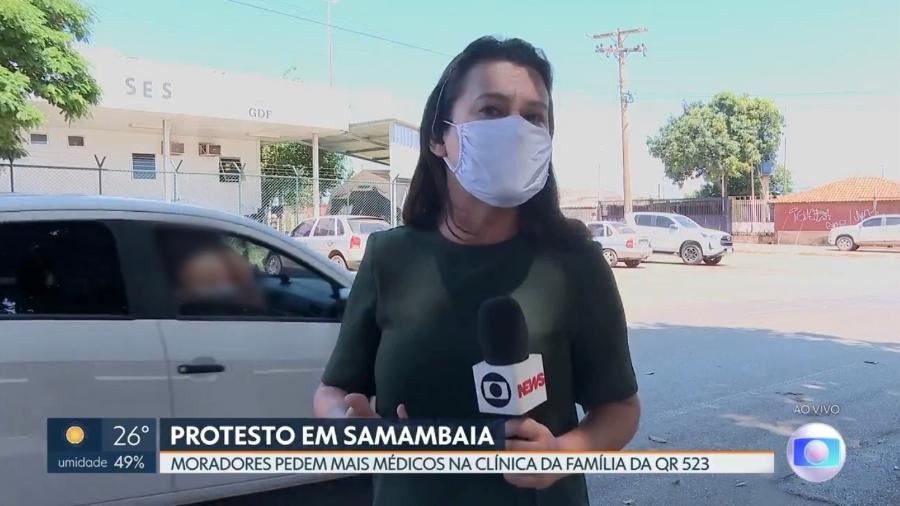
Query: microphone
x=509, y=381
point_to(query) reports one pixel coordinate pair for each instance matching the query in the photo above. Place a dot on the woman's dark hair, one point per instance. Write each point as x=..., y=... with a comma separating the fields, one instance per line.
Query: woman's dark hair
x=540, y=218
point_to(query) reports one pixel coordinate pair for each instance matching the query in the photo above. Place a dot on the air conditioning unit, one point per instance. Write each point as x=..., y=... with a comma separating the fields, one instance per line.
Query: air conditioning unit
x=175, y=148
x=208, y=149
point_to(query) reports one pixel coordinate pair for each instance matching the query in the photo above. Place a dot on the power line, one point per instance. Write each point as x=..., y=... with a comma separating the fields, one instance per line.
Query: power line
x=340, y=28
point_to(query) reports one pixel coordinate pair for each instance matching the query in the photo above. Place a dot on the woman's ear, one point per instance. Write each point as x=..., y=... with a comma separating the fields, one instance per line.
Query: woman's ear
x=438, y=148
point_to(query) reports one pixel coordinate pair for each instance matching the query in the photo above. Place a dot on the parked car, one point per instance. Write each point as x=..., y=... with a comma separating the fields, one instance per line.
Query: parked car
x=882, y=230
x=620, y=243
x=678, y=234
x=125, y=308
x=341, y=238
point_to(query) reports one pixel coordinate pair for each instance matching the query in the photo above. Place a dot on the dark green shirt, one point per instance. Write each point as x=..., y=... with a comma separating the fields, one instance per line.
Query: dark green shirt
x=409, y=336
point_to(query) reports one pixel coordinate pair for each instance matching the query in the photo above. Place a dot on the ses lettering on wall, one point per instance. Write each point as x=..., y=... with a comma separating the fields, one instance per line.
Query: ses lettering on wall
x=148, y=89
x=164, y=90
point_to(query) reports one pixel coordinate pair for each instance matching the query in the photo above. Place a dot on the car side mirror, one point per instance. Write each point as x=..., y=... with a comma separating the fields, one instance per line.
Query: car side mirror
x=673, y=227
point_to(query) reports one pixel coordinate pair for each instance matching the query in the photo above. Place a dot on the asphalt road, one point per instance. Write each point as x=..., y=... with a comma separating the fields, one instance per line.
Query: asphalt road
x=725, y=355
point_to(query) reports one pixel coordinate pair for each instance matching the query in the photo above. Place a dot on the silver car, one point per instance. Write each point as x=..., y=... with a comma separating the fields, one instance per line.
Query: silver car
x=342, y=238
x=620, y=243
x=125, y=308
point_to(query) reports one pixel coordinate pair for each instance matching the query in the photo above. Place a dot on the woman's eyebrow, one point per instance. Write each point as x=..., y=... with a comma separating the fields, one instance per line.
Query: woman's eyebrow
x=494, y=95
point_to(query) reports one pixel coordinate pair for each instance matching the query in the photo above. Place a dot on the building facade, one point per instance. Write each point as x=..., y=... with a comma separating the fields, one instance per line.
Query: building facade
x=189, y=134
x=807, y=217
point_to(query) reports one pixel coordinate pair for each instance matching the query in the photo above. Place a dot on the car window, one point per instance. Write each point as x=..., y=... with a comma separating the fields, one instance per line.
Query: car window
x=644, y=220
x=325, y=227
x=872, y=222
x=686, y=222
x=304, y=228
x=892, y=220
x=622, y=228
x=218, y=275
x=596, y=229
x=60, y=268
x=367, y=226
x=339, y=227
x=663, y=222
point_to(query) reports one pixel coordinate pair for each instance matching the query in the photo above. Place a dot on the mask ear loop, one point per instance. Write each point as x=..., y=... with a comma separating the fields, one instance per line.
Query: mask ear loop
x=437, y=105
x=449, y=222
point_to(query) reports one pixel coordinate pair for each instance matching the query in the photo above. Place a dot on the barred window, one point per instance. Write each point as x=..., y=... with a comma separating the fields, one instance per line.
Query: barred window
x=143, y=166
x=229, y=170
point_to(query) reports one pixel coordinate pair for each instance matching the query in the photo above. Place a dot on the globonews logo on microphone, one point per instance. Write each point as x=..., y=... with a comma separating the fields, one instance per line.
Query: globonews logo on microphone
x=816, y=452
x=495, y=390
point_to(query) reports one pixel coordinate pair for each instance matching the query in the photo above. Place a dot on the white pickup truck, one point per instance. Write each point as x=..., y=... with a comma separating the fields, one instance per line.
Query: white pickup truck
x=678, y=234
x=883, y=230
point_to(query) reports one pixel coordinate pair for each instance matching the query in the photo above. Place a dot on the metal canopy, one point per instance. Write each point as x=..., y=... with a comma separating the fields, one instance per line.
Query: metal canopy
x=368, y=141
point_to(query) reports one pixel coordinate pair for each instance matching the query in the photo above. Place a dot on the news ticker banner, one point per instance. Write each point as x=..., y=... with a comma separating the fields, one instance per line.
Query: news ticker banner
x=323, y=446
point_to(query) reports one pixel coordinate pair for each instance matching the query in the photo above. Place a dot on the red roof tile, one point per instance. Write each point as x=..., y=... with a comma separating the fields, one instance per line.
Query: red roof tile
x=854, y=189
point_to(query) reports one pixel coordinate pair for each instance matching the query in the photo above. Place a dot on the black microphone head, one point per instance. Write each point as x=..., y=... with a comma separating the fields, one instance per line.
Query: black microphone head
x=502, y=331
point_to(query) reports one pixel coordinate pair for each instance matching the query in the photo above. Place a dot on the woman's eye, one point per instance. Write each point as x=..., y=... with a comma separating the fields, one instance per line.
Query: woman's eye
x=535, y=119
x=491, y=111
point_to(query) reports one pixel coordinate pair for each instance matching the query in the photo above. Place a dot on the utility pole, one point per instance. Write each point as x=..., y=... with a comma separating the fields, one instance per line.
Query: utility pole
x=328, y=4
x=620, y=52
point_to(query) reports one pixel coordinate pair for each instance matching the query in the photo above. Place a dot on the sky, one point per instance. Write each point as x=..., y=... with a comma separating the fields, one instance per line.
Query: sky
x=832, y=67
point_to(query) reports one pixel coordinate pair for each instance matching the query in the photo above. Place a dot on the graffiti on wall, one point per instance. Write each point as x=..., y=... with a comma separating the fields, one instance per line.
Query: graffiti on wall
x=824, y=216
x=815, y=215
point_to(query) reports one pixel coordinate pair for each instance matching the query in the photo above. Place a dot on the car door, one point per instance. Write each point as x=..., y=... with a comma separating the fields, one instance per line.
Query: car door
x=74, y=342
x=324, y=236
x=667, y=233
x=303, y=231
x=643, y=223
x=892, y=230
x=241, y=343
x=611, y=239
x=871, y=230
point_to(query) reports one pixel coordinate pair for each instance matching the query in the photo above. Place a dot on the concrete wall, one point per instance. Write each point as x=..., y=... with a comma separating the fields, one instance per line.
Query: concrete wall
x=810, y=222
x=197, y=180
x=133, y=84
x=823, y=216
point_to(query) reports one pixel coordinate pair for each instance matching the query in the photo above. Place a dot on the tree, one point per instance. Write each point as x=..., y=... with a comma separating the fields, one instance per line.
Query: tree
x=719, y=141
x=37, y=58
x=780, y=183
x=284, y=162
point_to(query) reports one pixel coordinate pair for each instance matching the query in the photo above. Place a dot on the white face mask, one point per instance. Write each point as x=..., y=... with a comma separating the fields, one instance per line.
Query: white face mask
x=502, y=162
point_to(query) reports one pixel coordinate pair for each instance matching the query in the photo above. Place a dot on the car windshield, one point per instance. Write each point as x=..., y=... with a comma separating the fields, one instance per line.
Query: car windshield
x=367, y=226
x=686, y=222
x=622, y=228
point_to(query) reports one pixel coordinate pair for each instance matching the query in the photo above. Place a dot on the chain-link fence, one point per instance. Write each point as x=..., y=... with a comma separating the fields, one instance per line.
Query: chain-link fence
x=279, y=197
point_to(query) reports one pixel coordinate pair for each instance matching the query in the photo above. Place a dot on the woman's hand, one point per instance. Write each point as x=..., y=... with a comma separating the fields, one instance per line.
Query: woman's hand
x=358, y=406
x=529, y=435
x=333, y=402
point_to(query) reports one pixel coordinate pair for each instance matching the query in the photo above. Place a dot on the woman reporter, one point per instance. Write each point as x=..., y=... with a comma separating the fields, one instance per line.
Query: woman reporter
x=482, y=219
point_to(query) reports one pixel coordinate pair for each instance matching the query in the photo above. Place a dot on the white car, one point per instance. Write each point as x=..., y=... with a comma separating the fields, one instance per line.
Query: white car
x=124, y=308
x=882, y=230
x=678, y=234
x=341, y=238
x=620, y=243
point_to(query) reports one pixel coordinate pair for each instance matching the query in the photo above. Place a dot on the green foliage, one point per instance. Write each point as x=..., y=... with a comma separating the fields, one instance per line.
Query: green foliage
x=37, y=58
x=283, y=162
x=722, y=139
x=780, y=183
